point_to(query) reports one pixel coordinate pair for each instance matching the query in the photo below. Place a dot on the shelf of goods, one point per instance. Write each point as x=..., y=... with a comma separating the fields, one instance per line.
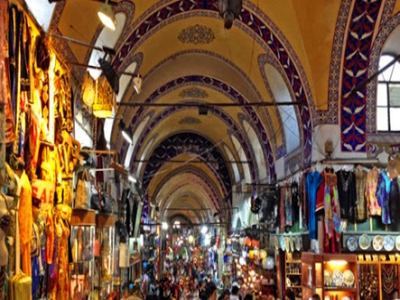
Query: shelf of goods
x=293, y=273
x=82, y=240
x=105, y=256
x=332, y=276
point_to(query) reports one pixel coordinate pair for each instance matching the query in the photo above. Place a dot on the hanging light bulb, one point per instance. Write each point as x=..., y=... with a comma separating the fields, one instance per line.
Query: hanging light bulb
x=106, y=16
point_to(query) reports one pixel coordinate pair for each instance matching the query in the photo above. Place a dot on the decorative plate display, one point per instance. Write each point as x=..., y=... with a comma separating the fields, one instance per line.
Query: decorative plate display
x=270, y=263
x=346, y=298
x=298, y=243
x=282, y=243
x=364, y=242
x=287, y=245
x=398, y=242
x=377, y=243
x=348, y=278
x=352, y=243
x=288, y=282
x=388, y=243
x=291, y=244
x=276, y=242
x=327, y=278
x=337, y=278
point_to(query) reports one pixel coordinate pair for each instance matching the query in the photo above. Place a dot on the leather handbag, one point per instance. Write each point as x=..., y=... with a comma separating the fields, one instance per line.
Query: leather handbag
x=83, y=192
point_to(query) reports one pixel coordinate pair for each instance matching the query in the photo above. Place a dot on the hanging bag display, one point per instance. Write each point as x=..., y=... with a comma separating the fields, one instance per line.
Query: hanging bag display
x=83, y=192
x=88, y=90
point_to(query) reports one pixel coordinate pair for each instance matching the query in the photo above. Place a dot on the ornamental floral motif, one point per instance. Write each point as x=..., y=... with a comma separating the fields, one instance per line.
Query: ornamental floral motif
x=193, y=93
x=197, y=34
x=189, y=120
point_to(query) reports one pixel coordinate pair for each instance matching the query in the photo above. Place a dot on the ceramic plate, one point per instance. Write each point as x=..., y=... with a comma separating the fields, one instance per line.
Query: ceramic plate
x=352, y=243
x=346, y=298
x=398, y=242
x=291, y=244
x=276, y=243
x=337, y=278
x=348, y=278
x=288, y=282
x=298, y=244
x=388, y=243
x=270, y=263
x=377, y=243
x=287, y=245
x=327, y=278
x=364, y=242
x=282, y=243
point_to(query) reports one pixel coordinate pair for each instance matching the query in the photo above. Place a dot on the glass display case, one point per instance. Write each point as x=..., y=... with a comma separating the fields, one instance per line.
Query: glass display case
x=104, y=255
x=82, y=241
x=332, y=276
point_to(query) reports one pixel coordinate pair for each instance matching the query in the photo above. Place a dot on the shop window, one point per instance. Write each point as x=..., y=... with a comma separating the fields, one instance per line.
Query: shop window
x=42, y=10
x=287, y=113
x=388, y=96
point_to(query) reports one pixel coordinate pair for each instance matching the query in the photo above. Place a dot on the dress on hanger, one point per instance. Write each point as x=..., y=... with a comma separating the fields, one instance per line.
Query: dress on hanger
x=370, y=192
x=382, y=194
x=361, y=207
x=394, y=199
x=313, y=181
x=347, y=194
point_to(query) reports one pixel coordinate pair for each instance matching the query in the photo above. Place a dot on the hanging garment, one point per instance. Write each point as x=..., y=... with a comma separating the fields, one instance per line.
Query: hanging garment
x=35, y=247
x=382, y=194
x=303, y=197
x=347, y=194
x=361, y=203
x=389, y=281
x=294, y=190
x=394, y=199
x=313, y=181
x=282, y=221
x=288, y=206
x=25, y=223
x=370, y=192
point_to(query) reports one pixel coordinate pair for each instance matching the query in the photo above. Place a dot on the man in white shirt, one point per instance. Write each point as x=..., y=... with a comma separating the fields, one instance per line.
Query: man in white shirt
x=235, y=293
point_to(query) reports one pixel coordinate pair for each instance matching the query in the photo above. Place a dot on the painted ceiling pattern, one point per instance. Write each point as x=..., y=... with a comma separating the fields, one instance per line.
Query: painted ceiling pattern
x=359, y=33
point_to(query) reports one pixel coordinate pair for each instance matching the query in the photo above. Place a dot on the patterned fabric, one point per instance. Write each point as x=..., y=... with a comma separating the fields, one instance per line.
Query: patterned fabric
x=361, y=207
x=25, y=223
x=313, y=181
x=370, y=191
x=282, y=213
x=382, y=194
x=303, y=194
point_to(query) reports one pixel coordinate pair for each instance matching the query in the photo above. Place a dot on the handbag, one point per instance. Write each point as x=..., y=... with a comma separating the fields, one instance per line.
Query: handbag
x=83, y=192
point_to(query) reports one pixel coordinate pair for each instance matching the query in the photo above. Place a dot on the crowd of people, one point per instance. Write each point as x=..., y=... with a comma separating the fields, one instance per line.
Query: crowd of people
x=187, y=281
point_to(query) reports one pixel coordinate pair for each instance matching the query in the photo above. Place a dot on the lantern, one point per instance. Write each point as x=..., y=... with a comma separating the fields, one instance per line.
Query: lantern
x=248, y=242
x=251, y=254
x=263, y=254
x=104, y=101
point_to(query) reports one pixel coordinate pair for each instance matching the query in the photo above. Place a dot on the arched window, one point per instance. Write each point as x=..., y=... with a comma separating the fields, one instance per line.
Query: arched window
x=388, y=96
x=108, y=38
x=242, y=156
x=42, y=10
x=287, y=113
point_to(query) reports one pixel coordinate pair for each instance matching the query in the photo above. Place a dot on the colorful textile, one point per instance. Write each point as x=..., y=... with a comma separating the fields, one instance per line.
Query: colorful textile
x=394, y=198
x=313, y=181
x=361, y=203
x=382, y=195
x=370, y=191
x=288, y=207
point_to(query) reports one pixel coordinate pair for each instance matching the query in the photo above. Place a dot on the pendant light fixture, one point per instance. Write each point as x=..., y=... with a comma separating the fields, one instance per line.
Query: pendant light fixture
x=106, y=16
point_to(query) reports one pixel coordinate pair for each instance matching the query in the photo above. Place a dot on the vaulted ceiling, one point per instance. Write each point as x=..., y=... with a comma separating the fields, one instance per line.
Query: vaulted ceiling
x=278, y=51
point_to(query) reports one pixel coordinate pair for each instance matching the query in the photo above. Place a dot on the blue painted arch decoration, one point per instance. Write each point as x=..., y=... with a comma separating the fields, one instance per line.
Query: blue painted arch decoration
x=249, y=22
x=181, y=143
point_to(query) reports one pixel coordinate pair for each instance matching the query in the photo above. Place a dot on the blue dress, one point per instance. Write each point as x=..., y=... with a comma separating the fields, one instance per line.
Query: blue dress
x=313, y=181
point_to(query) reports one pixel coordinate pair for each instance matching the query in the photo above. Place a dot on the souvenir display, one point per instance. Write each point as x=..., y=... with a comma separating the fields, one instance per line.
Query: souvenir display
x=298, y=243
x=364, y=241
x=352, y=244
x=398, y=243
x=348, y=278
x=337, y=278
x=388, y=243
x=282, y=243
x=377, y=243
x=328, y=278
